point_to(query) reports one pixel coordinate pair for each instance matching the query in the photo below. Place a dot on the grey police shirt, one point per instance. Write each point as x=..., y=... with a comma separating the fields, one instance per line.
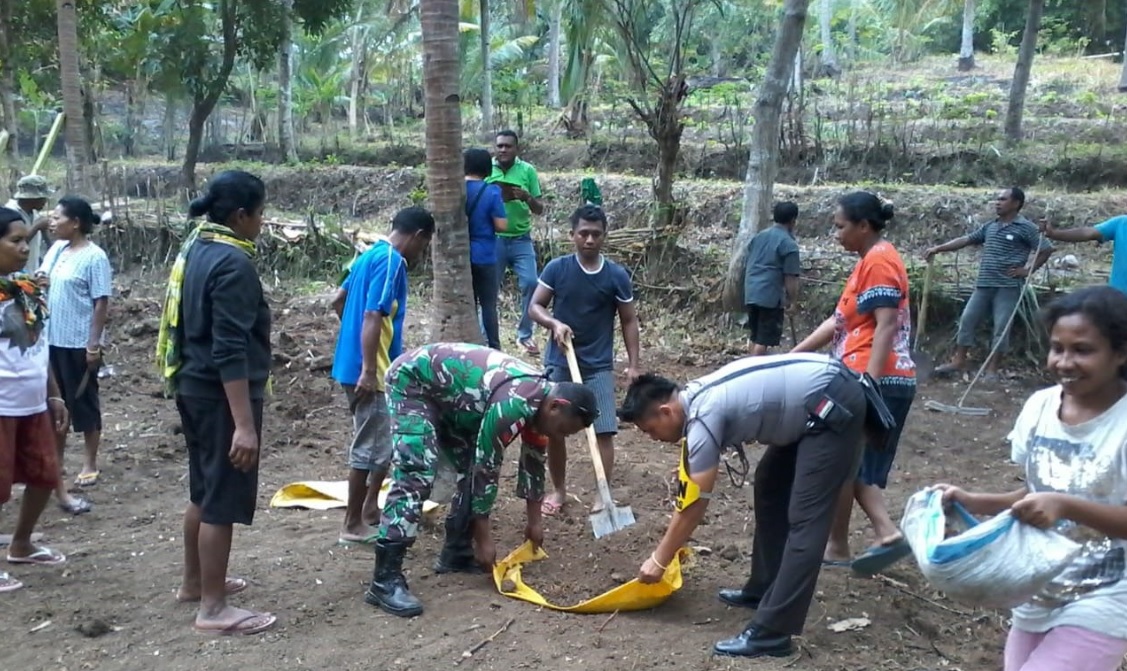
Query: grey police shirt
x=756, y=399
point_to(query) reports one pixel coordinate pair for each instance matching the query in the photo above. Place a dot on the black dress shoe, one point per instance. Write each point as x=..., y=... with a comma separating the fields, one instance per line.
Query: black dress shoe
x=755, y=642
x=738, y=598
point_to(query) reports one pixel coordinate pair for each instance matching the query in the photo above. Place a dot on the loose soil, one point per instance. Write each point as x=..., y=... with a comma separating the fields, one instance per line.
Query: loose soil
x=581, y=567
x=112, y=606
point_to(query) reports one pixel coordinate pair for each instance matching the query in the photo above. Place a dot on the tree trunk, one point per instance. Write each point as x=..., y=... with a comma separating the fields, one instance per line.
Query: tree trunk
x=487, y=128
x=1122, y=71
x=129, y=133
x=1022, y=70
x=8, y=80
x=830, y=67
x=666, y=127
x=207, y=95
x=89, y=121
x=966, y=51
x=71, y=80
x=454, y=314
x=554, y=40
x=763, y=161
x=287, y=140
x=169, y=128
x=356, y=105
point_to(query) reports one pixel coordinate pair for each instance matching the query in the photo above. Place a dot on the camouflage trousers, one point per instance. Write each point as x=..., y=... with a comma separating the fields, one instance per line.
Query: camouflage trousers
x=417, y=437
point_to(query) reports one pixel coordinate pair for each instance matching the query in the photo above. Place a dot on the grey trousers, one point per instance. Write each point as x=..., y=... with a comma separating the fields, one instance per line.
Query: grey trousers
x=796, y=492
x=999, y=303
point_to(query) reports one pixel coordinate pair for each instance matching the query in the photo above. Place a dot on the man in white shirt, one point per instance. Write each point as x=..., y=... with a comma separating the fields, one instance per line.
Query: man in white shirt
x=29, y=200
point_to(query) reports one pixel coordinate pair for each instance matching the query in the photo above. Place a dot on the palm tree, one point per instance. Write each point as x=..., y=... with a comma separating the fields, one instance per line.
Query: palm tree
x=966, y=51
x=763, y=160
x=71, y=79
x=454, y=316
x=1022, y=70
x=287, y=139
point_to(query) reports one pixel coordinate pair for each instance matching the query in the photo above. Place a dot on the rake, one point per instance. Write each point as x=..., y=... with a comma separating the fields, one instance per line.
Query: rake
x=959, y=408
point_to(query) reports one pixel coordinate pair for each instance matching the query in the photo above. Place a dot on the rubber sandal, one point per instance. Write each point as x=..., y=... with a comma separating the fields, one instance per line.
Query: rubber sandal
x=231, y=586
x=237, y=628
x=43, y=556
x=946, y=370
x=837, y=563
x=79, y=506
x=530, y=347
x=8, y=583
x=550, y=508
x=87, y=479
x=877, y=559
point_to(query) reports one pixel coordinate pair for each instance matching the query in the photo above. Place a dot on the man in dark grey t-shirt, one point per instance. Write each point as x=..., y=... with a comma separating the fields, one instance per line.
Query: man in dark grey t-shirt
x=1008, y=243
x=587, y=293
x=810, y=411
x=771, y=278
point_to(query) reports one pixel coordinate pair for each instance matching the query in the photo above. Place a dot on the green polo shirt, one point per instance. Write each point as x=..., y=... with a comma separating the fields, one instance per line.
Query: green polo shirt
x=521, y=174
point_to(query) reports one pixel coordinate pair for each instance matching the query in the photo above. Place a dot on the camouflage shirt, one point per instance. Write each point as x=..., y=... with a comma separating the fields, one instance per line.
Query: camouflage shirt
x=485, y=397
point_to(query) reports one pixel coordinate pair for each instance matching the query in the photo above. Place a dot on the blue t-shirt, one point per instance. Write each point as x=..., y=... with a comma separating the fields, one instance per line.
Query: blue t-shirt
x=588, y=303
x=483, y=237
x=1110, y=230
x=377, y=282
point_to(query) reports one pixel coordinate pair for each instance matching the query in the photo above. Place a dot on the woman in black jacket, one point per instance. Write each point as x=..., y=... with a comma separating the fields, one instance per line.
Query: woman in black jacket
x=214, y=351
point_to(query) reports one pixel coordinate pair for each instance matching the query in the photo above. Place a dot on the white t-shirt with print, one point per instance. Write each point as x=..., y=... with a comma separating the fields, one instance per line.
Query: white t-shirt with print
x=1088, y=460
x=23, y=365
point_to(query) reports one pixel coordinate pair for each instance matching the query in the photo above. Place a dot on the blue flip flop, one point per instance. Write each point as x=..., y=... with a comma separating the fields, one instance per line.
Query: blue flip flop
x=878, y=558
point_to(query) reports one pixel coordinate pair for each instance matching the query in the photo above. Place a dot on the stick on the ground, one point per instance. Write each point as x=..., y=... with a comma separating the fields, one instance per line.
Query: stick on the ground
x=606, y=622
x=470, y=653
x=894, y=585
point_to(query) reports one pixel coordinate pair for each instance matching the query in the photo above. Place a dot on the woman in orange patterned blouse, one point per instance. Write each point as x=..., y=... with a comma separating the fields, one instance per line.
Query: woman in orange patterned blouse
x=870, y=332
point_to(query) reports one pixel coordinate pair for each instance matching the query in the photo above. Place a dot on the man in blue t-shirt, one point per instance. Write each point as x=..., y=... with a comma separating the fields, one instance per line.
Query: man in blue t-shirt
x=371, y=305
x=485, y=211
x=586, y=292
x=1109, y=231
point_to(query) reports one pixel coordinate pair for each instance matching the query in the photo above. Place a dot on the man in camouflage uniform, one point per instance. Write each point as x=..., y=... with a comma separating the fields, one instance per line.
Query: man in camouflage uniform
x=467, y=402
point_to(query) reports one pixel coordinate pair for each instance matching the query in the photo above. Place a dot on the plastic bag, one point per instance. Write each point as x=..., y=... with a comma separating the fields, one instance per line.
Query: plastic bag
x=627, y=597
x=996, y=563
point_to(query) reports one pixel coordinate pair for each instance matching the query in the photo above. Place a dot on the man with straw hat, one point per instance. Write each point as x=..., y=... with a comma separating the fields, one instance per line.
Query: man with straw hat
x=29, y=200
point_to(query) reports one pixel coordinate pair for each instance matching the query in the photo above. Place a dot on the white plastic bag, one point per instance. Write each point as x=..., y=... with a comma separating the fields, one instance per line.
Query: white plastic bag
x=996, y=563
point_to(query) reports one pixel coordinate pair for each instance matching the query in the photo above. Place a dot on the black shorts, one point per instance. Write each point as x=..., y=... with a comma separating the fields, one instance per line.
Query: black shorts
x=765, y=324
x=224, y=494
x=69, y=366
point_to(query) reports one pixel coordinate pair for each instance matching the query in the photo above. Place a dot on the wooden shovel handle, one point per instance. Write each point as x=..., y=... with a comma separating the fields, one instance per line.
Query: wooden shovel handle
x=592, y=440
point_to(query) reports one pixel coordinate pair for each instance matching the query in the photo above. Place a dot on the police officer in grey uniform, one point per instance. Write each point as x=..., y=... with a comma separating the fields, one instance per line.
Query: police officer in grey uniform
x=811, y=413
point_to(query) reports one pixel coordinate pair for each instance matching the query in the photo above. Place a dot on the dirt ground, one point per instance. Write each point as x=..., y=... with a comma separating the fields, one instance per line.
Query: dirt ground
x=112, y=607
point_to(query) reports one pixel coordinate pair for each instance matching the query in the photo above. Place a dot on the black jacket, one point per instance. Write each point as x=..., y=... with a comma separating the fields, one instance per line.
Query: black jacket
x=224, y=323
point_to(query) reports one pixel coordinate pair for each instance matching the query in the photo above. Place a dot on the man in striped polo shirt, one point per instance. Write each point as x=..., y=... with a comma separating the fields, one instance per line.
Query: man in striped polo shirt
x=1012, y=250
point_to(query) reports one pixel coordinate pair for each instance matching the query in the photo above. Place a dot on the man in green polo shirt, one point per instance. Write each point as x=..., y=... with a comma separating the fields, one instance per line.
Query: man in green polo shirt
x=520, y=188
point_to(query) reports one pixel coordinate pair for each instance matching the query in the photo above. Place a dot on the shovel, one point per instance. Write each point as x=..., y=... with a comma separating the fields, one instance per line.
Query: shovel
x=925, y=365
x=611, y=518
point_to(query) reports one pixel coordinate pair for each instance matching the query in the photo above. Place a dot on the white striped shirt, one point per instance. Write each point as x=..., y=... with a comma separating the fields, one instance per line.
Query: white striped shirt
x=78, y=278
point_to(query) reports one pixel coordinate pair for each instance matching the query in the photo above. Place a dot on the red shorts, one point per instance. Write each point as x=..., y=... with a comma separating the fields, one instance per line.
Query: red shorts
x=27, y=453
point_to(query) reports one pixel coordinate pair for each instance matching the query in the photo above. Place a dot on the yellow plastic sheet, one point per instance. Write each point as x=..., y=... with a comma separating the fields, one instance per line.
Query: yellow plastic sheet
x=326, y=495
x=627, y=597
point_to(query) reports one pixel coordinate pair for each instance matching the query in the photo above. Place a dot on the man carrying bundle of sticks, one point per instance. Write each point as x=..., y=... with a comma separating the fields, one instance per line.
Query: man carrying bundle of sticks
x=468, y=402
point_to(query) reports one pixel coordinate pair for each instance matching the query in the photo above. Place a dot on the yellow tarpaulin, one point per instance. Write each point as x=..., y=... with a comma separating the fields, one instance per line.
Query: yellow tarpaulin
x=627, y=597
x=325, y=495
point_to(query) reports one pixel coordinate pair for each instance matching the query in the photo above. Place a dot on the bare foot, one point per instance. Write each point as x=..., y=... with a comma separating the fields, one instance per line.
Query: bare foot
x=358, y=533
x=887, y=540
x=235, y=622
x=188, y=594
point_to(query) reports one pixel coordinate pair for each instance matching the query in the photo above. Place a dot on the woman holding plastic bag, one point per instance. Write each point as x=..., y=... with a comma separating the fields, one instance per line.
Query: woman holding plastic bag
x=1072, y=441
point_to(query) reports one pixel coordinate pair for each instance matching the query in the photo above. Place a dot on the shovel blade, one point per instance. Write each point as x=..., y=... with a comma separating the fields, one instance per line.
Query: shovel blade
x=925, y=365
x=609, y=520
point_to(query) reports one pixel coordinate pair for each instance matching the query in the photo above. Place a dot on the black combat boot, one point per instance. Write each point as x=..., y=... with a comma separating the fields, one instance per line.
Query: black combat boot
x=741, y=597
x=389, y=590
x=457, y=555
x=755, y=641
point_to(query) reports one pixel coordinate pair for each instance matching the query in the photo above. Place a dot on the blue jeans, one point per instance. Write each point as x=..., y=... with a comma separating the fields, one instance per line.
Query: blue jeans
x=519, y=254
